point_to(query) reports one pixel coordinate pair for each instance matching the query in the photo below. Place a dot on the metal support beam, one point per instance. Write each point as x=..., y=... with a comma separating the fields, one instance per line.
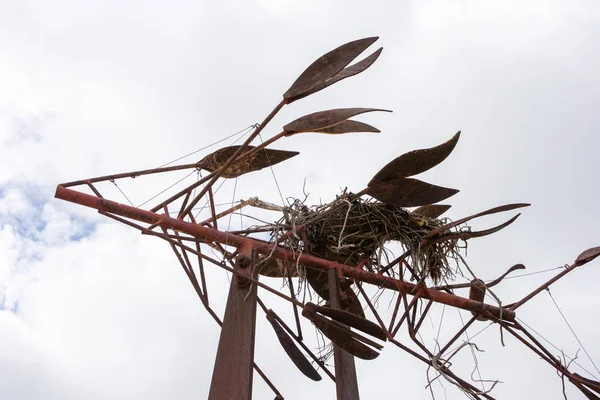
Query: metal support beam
x=232, y=374
x=346, y=383
x=270, y=249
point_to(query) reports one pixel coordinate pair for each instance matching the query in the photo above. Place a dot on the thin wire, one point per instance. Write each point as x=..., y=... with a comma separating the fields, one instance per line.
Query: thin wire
x=223, y=181
x=207, y=201
x=572, y=331
x=472, y=337
x=199, y=208
x=232, y=202
x=210, y=145
x=158, y=194
x=124, y=195
x=556, y=348
x=473, y=354
x=530, y=273
x=273, y=173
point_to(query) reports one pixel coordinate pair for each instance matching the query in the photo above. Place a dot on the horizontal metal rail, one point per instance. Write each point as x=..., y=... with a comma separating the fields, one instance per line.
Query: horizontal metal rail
x=266, y=249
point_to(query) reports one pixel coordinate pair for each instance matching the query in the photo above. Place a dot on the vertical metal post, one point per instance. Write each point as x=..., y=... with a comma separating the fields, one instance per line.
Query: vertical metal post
x=232, y=373
x=346, y=383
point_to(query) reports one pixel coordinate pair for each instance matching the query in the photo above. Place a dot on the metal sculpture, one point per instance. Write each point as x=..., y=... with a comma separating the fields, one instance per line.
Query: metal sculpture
x=334, y=248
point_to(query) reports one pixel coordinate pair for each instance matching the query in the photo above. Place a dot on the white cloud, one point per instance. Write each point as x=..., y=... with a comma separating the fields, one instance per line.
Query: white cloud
x=94, y=310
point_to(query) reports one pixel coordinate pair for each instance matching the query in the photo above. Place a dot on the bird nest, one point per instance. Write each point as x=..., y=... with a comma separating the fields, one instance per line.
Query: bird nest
x=354, y=231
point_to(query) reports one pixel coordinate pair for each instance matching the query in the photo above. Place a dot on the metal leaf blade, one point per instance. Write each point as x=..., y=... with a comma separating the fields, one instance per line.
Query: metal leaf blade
x=324, y=119
x=326, y=67
x=352, y=70
x=348, y=126
x=292, y=350
x=353, y=321
x=432, y=210
x=506, y=207
x=588, y=255
x=340, y=336
x=253, y=162
x=354, y=306
x=473, y=234
x=318, y=280
x=415, y=162
x=408, y=192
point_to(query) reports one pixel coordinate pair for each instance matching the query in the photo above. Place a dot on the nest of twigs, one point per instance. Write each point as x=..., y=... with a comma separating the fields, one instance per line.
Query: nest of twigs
x=353, y=230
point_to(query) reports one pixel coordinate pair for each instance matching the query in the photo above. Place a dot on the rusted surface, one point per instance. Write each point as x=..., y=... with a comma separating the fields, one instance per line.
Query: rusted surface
x=588, y=255
x=315, y=77
x=215, y=176
x=408, y=192
x=339, y=335
x=346, y=384
x=477, y=293
x=318, y=281
x=278, y=252
x=133, y=174
x=235, y=354
x=494, y=210
x=432, y=210
x=356, y=68
x=248, y=162
x=291, y=350
x=489, y=285
x=592, y=384
x=415, y=162
x=348, y=126
x=352, y=321
x=473, y=234
x=324, y=119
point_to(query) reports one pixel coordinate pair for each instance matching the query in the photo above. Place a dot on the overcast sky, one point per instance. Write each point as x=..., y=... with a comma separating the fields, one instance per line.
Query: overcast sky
x=90, y=309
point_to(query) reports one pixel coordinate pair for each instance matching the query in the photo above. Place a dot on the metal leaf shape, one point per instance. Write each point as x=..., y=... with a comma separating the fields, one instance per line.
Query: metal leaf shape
x=352, y=70
x=588, y=255
x=292, y=350
x=254, y=162
x=324, y=119
x=317, y=280
x=408, y=192
x=499, y=279
x=353, y=321
x=432, y=210
x=506, y=207
x=348, y=126
x=354, y=306
x=473, y=234
x=326, y=67
x=340, y=336
x=415, y=162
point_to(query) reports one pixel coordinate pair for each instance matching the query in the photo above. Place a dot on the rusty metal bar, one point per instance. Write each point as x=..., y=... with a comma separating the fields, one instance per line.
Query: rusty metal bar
x=279, y=252
x=133, y=174
x=373, y=310
x=542, y=287
x=235, y=155
x=214, y=218
x=96, y=192
x=458, y=334
x=423, y=314
x=213, y=211
x=301, y=343
x=346, y=382
x=232, y=374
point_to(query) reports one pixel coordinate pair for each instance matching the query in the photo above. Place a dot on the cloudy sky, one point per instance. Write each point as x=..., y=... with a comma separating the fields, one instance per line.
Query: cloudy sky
x=91, y=309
